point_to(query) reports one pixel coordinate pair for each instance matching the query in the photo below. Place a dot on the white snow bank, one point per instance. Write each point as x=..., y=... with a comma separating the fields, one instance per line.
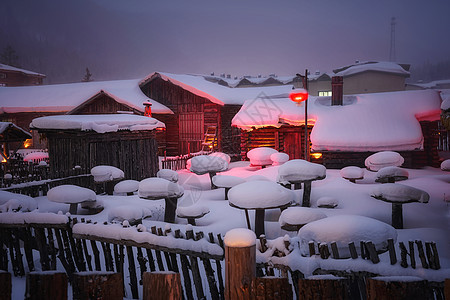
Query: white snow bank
x=300, y=216
x=16, y=202
x=240, y=237
x=168, y=174
x=99, y=123
x=105, y=173
x=71, y=194
x=300, y=170
x=344, y=229
x=279, y=158
x=327, y=202
x=399, y=193
x=33, y=218
x=261, y=156
x=259, y=194
x=383, y=159
x=227, y=180
x=126, y=186
x=352, y=172
x=159, y=188
x=205, y=163
x=445, y=165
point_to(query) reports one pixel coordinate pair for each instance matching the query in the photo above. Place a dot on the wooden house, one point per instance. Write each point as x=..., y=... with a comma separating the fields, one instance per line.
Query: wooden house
x=12, y=76
x=343, y=135
x=125, y=141
x=21, y=105
x=199, y=105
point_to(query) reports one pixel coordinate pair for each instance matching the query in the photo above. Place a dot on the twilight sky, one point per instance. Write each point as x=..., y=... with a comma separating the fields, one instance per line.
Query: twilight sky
x=120, y=39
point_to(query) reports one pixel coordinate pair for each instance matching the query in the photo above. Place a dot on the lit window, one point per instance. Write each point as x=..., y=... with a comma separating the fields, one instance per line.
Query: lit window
x=324, y=93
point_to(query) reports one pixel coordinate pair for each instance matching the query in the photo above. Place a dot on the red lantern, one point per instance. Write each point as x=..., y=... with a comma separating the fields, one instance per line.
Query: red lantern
x=299, y=95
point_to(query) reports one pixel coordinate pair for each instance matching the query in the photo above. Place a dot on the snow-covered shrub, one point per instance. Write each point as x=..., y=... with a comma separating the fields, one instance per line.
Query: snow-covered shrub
x=279, y=158
x=104, y=173
x=383, y=159
x=261, y=156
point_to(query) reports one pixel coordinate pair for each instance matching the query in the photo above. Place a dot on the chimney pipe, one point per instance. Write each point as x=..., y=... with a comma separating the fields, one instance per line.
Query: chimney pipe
x=337, y=90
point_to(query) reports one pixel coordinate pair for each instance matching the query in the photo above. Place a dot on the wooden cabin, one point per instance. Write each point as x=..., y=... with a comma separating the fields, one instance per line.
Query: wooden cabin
x=12, y=76
x=345, y=135
x=85, y=141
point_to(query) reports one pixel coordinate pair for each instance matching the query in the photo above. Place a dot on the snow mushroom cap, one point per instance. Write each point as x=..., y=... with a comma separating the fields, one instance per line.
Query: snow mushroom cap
x=399, y=193
x=126, y=186
x=352, y=172
x=300, y=216
x=300, y=170
x=227, y=180
x=222, y=155
x=397, y=173
x=383, y=159
x=259, y=194
x=159, y=188
x=240, y=237
x=279, y=158
x=168, y=174
x=261, y=156
x=68, y=193
x=203, y=164
x=104, y=173
x=445, y=165
x=344, y=229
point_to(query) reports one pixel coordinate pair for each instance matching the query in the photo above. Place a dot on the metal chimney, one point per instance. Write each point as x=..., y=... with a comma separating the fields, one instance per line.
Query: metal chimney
x=337, y=90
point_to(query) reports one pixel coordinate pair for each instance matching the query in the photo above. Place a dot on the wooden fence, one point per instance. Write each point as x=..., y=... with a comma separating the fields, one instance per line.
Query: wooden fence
x=179, y=162
x=87, y=246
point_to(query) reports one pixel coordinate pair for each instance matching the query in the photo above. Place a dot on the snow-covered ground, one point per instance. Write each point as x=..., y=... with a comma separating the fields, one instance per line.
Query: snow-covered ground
x=422, y=221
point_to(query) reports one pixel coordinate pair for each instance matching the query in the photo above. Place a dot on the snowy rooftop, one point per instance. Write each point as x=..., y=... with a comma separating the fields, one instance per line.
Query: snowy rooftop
x=384, y=66
x=381, y=121
x=11, y=68
x=65, y=97
x=216, y=93
x=98, y=123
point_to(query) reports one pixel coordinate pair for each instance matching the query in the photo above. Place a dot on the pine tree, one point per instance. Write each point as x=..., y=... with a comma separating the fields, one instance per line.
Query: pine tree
x=88, y=76
x=9, y=57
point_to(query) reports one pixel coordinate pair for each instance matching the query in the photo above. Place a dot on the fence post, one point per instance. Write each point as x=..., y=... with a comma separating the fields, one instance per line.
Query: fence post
x=410, y=287
x=5, y=285
x=46, y=285
x=162, y=285
x=96, y=285
x=240, y=263
x=272, y=288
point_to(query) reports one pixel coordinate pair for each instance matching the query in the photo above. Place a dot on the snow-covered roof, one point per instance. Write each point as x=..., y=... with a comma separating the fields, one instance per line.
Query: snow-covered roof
x=98, y=123
x=216, y=93
x=432, y=84
x=366, y=122
x=382, y=66
x=65, y=97
x=11, y=68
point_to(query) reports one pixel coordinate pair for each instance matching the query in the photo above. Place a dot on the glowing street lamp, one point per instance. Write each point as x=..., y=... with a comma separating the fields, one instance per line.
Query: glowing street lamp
x=299, y=96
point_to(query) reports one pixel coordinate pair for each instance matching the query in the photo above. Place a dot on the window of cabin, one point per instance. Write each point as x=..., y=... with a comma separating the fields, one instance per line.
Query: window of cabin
x=191, y=126
x=2, y=75
x=324, y=93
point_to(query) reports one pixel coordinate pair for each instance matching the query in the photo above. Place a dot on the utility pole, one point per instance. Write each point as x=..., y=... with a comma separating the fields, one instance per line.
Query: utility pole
x=392, y=50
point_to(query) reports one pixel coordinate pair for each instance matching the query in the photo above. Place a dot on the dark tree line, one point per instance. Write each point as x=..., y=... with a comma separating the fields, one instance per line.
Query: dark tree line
x=427, y=71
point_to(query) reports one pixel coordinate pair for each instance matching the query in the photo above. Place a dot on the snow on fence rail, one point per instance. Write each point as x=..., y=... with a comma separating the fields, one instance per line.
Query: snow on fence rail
x=199, y=258
x=179, y=162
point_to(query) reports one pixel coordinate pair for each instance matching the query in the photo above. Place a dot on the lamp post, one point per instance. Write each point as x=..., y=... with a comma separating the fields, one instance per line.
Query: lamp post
x=298, y=96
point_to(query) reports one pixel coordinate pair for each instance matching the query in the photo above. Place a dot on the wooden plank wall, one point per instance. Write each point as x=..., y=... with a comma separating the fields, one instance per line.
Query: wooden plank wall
x=104, y=104
x=135, y=153
x=180, y=100
x=230, y=137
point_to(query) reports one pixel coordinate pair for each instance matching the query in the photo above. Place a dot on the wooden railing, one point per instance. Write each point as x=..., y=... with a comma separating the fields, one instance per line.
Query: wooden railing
x=199, y=258
x=179, y=162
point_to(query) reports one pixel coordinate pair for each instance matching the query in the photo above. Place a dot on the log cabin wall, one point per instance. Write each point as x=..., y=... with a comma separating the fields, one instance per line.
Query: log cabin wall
x=134, y=152
x=192, y=115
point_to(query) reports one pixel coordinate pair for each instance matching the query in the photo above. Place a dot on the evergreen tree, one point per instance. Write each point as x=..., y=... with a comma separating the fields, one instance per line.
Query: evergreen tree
x=9, y=57
x=87, y=76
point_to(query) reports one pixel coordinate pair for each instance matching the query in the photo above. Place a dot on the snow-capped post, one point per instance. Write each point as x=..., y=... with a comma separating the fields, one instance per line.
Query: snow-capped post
x=71, y=194
x=240, y=263
x=162, y=285
x=207, y=164
x=46, y=285
x=399, y=194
